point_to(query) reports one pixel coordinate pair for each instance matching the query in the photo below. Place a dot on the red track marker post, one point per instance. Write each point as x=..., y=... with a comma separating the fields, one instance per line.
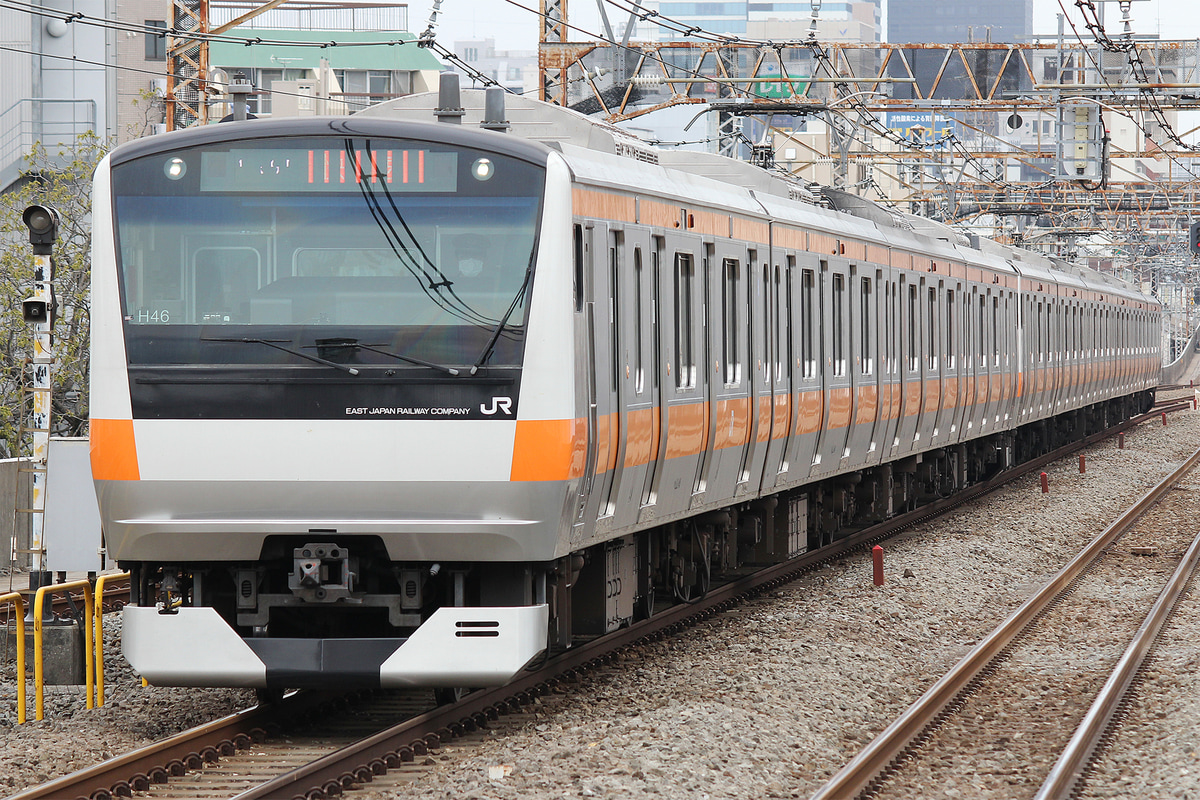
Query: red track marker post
x=1082, y=465
x=1045, y=483
x=1164, y=417
x=877, y=562
x=1120, y=441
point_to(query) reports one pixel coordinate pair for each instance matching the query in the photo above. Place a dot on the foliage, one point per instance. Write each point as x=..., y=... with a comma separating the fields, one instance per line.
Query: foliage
x=60, y=179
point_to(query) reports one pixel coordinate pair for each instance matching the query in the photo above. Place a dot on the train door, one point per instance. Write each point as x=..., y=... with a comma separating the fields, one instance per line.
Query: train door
x=726, y=376
x=810, y=399
x=760, y=373
x=911, y=390
x=890, y=349
x=836, y=380
x=584, y=246
x=782, y=370
x=1014, y=355
x=681, y=337
x=864, y=369
x=931, y=378
x=945, y=311
x=983, y=384
x=606, y=366
x=654, y=378
x=960, y=346
x=635, y=412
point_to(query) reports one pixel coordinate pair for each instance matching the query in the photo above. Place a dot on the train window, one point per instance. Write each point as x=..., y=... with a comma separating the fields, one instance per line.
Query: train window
x=768, y=343
x=866, y=356
x=784, y=354
x=782, y=318
x=578, y=251
x=685, y=364
x=807, y=287
x=639, y=381
x=655, y=337
x=968, y=332
x=887, y=342
x=839, y=330
x=1038, y=351
x=729, y=300
x=931, y=349
x=614, y=302
x=950, y=348
x=981, y=345
x=912, y=329
x=995, y=331
x=375, y=240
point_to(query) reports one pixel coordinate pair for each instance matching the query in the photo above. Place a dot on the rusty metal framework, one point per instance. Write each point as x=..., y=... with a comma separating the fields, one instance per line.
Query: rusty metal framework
x=805, y=77
x=187, y=81
x=972, y=165
x=553, y=32
x=188, y=57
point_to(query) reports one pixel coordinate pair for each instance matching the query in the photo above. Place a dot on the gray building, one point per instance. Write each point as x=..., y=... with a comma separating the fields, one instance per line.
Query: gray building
x=54, y=85
x=952, y=21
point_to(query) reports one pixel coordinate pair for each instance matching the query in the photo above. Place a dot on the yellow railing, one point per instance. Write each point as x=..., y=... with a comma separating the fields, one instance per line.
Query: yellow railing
x=18, y=602
x=100, y=631
x=89, y=665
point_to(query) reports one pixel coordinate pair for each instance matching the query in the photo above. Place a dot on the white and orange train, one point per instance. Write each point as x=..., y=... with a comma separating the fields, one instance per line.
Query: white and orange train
x=385, y=401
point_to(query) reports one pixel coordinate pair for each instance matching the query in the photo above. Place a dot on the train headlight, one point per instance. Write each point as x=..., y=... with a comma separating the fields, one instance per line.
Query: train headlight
x=483, y=169
x=175, y=168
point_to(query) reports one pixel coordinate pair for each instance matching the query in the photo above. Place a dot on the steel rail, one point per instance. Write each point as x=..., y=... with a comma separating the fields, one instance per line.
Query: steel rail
x=136, y=770
x=359, y=761
x=63, y=603
x=1069, y=769
x=878, y=756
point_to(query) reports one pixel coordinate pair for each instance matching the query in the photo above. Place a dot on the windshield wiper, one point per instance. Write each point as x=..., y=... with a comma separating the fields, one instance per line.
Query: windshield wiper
x=277, y=346
x=341, y=342
x=503, y=323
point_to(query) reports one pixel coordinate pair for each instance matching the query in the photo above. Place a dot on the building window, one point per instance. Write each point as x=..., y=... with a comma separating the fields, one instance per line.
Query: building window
x=156, y=43
x=362, y=88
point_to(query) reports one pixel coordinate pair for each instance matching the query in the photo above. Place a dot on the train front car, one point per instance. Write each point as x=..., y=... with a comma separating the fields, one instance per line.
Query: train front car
x=313, y=434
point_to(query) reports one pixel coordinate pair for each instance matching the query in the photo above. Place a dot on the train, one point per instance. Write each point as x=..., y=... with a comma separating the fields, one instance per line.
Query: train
x=415, y=396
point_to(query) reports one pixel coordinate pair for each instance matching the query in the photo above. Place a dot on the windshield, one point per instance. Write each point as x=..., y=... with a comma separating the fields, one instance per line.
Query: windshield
x=412, y=248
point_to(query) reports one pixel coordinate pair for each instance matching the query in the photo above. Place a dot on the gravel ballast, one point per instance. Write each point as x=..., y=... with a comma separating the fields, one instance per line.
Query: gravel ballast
x=767, y=700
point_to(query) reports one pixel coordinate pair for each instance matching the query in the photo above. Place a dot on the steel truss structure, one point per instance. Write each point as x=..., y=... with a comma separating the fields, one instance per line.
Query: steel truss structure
x=971, y=89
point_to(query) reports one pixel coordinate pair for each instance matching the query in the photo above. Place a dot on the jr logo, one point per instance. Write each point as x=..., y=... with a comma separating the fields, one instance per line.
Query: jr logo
x=498, y=404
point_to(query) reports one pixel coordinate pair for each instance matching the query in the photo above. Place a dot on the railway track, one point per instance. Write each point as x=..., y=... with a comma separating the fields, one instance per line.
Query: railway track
x=272, y=752
x=116, y=594
x=1001, y=721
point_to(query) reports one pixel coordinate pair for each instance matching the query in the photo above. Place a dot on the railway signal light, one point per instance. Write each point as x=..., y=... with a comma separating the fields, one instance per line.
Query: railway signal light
x=42, y=222
x=1194, y=239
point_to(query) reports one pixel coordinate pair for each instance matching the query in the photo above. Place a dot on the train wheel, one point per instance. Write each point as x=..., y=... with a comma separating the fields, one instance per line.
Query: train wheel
x=450, y=695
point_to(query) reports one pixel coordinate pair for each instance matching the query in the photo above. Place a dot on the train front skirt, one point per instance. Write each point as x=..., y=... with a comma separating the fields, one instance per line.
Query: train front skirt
x=456, y=647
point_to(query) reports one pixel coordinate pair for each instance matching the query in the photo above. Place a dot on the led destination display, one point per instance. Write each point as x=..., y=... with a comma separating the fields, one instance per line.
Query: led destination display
x=311, y=170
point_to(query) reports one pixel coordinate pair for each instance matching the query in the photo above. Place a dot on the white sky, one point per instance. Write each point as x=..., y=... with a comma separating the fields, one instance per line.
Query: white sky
x=516, y=29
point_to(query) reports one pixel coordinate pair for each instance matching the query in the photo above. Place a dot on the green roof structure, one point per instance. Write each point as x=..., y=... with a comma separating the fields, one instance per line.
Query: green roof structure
x=346, y=50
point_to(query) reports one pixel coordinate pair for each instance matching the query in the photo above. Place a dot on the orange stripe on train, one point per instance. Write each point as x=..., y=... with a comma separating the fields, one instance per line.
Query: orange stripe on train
x=113, y=450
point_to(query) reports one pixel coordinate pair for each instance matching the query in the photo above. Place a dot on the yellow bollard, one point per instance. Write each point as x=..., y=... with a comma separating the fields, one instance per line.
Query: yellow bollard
x=99, y=638
x=89, y=665
x=19, y=609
